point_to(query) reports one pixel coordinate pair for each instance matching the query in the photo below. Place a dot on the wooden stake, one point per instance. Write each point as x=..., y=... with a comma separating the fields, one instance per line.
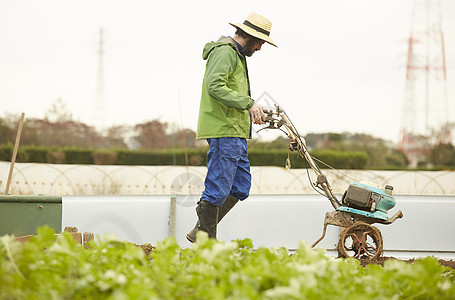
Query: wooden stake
x=13, y=158
x=172, y=216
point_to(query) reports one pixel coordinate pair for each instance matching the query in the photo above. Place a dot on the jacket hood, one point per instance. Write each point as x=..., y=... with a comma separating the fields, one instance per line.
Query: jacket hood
x=223, y=40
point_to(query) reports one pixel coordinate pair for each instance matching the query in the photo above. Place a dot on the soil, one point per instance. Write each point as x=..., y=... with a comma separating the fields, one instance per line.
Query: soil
x=147, y=248
x=380, y=261
x=447, y=263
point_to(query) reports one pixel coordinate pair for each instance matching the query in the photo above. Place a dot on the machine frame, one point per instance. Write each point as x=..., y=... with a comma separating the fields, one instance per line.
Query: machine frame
x=356, y=212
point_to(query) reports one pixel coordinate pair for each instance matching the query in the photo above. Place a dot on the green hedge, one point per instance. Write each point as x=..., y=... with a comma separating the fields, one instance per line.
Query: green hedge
x=342, y=159
x=196, y=157
x=36, y=153
x=6, y=152
x=78, y=156
x=160, y=157
x=336, y=159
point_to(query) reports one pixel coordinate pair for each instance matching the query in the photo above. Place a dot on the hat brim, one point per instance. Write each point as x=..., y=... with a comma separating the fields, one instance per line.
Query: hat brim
x=254, y=33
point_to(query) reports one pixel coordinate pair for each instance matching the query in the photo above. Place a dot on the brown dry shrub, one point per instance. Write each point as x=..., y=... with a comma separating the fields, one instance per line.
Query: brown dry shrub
x=55, y=157
x=104, y=157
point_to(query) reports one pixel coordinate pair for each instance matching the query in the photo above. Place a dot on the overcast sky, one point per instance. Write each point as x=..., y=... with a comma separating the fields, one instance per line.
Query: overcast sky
x=340, y=65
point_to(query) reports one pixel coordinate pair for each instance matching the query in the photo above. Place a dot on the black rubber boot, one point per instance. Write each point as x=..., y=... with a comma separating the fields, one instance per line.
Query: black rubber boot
x=208, y=217
x=228, y=204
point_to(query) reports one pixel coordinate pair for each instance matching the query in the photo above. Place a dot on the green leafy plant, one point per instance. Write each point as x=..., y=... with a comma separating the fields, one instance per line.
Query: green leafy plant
x=46, y=267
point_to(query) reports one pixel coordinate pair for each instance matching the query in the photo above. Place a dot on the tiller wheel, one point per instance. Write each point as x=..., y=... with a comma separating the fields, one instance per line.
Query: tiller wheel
x=361, y=241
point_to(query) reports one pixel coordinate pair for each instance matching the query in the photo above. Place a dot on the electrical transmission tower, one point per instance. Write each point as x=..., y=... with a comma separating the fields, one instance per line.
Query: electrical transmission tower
x=99, y=112
x=425, y=114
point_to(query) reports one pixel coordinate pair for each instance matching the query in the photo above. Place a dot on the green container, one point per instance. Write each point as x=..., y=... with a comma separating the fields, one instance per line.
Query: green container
x=22, y=215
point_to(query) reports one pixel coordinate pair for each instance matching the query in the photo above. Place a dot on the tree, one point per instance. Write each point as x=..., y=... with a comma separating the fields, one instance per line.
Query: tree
x=63, y=133
x=443, y=155
x=278, y=143
x=116, y=135
x=381, y=153
x=58, y=112
x=6, y=133
x=397, y=158
x=152, y=135
x=184, y=138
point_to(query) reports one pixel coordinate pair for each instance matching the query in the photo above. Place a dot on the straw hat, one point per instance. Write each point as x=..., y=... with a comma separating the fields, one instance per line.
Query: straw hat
x=257, y=26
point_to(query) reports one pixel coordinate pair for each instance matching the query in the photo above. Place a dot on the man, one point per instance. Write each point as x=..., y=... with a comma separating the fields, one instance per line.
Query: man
x=225, y=116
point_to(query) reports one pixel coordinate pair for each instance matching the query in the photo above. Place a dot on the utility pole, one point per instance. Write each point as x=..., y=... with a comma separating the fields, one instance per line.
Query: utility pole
x=425, y=112
x=99, y=110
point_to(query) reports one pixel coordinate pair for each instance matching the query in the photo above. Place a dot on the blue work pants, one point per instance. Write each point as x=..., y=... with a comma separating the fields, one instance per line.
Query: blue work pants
x=228, y=170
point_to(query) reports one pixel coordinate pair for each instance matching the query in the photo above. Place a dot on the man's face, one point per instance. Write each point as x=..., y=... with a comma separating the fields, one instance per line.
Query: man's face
x=251, y=46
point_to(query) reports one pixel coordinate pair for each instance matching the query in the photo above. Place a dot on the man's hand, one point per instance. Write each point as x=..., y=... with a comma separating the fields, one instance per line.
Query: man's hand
x=257, y=114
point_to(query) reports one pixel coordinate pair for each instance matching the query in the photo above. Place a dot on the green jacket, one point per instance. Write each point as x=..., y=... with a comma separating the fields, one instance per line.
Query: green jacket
x=225, y=98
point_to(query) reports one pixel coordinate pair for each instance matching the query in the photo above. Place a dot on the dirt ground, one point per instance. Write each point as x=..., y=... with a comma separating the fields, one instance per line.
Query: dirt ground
x=380, y=261
x=448, y=263
x=147, y=248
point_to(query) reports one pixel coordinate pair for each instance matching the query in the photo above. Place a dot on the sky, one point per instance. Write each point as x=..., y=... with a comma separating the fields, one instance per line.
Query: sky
x=340, y=65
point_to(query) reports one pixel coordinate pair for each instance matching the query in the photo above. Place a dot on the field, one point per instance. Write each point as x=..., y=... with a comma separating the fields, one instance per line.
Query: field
x=49, y=268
